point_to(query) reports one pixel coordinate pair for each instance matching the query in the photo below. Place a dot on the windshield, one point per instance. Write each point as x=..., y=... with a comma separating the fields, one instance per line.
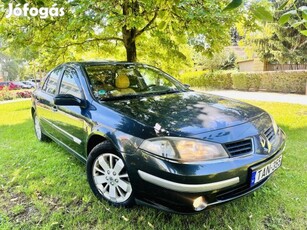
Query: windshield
x=116, y=81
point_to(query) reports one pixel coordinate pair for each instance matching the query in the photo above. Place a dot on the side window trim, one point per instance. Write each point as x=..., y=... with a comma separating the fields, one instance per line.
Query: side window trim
x=58, y=81
x=76, y=78
x=46, y=82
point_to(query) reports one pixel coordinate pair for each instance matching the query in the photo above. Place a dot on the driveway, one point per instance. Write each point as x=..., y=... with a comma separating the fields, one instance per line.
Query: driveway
x=262, y=96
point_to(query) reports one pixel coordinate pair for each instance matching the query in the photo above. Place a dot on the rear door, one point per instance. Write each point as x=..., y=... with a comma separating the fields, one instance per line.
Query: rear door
x=45, y=107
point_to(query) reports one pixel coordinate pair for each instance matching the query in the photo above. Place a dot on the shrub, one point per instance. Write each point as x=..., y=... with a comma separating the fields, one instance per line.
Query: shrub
x=281, y=81
x=5, y=94
x=24, y=94
x=246, y=81
x=211, y=80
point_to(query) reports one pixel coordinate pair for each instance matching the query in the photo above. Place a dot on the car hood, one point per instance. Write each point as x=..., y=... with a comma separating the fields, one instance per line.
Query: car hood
x=186, y=113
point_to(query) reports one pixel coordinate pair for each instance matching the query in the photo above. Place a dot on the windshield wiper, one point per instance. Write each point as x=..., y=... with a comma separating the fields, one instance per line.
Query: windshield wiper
x=122, y=97
x=169, y=91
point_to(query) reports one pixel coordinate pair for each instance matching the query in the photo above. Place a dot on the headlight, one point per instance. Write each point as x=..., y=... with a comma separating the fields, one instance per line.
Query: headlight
x=183, y=149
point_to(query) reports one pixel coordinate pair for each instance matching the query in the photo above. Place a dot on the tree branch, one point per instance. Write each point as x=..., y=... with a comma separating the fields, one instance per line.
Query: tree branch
x=299, y=45
x=2, y=16
x=90, y=40
x=83, y=42
x=146, y=27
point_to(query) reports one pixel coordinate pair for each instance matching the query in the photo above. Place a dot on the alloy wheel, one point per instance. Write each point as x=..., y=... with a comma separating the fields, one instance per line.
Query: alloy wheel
x=111, y=178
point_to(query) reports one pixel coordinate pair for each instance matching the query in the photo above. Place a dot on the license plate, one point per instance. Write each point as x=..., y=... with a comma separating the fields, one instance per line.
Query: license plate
x=264, y=172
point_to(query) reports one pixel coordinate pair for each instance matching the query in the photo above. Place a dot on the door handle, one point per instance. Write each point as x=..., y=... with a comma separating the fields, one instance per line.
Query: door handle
x=54, y=108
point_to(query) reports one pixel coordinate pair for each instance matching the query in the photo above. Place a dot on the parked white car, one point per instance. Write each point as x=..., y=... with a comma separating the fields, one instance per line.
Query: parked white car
x=22, y=85
x=30, y=83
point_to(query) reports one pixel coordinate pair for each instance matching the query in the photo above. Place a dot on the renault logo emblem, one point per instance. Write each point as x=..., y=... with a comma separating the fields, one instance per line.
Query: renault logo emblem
x=265, y=143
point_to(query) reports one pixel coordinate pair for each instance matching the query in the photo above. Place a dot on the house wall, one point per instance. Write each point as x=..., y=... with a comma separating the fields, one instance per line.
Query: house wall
x=253, y=65
x=258, y=65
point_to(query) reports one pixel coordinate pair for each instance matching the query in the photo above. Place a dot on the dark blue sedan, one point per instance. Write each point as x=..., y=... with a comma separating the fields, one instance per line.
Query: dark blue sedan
x=148, y=139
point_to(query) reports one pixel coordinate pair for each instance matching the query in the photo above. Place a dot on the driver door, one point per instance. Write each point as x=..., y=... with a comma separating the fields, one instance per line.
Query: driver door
x=71, y=124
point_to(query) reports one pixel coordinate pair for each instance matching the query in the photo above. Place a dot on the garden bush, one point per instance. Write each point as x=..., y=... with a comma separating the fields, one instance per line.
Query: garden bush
x=246, y=81
x=281, y=81
x=209, y=80
x=24, y=94
x=5, y=94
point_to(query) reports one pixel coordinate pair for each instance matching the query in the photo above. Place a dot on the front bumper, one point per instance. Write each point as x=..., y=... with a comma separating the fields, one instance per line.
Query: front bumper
x=190, y=188
x=174, y=187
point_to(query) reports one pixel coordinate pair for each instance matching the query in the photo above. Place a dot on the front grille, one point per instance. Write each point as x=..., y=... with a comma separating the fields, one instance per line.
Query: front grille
x=269, y=133
x=239, y=147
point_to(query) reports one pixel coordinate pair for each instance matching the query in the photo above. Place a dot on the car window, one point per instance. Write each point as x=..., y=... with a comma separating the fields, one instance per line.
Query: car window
x=111, y=81
x=69, y=84
x=154, y=78
x=101, y=77
x=51, y=81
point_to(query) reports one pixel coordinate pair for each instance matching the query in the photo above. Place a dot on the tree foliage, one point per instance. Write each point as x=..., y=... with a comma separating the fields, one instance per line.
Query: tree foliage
x=146, y=30
x=8, y=68
x=272, y=41
x=294, y=13
x=223, y=60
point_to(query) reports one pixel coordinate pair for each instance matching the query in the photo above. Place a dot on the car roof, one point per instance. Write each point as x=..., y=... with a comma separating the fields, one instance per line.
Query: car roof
x=101, y=62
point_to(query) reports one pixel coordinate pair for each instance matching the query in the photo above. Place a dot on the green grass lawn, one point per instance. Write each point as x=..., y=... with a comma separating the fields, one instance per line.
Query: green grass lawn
x=43, y=186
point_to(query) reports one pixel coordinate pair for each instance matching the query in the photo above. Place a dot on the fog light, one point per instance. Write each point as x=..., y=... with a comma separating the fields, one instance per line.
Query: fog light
x=199, y=204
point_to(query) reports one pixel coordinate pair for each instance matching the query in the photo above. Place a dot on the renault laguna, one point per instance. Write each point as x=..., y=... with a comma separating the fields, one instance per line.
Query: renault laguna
x=148, y=139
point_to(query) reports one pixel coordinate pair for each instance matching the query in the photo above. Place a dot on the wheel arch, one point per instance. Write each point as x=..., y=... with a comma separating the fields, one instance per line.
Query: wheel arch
x=97, y=138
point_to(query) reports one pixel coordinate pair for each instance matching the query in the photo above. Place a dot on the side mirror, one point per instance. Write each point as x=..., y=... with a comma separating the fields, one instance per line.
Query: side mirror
x=68, y=99
x=187, y=86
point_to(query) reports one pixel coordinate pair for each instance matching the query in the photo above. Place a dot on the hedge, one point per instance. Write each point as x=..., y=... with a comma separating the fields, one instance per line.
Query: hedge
x=272, y=81
x=209, y=80
x=281, y=81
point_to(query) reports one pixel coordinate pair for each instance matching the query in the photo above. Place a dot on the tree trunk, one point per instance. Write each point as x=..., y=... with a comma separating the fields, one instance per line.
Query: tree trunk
x=129, y=34
x=131, y=52
x=129, y=37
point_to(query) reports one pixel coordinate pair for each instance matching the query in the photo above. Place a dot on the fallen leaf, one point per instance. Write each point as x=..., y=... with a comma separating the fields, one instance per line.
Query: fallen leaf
x=125, y=218
x=150, y=225
x=54, y=223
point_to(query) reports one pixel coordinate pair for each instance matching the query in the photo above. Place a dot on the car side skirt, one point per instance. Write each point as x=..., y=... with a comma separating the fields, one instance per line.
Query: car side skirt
x=66, y=147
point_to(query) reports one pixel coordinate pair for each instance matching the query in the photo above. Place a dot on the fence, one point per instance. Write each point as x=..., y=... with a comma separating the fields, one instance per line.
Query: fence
x=278, y=67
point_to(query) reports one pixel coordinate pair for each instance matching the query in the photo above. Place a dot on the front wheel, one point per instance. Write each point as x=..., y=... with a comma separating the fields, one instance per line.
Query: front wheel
x=108, y=177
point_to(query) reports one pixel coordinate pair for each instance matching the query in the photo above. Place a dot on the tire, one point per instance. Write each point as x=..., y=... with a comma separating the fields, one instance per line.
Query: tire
x=108, y=177
x=38, y=130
